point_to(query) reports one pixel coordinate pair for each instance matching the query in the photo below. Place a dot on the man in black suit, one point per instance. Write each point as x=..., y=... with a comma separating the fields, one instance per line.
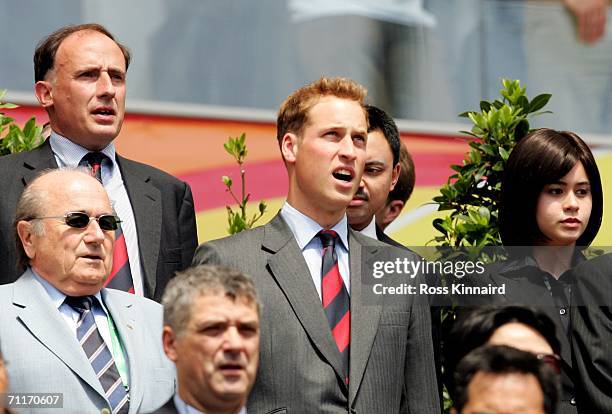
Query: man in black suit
x=80, y=74
x=325, y=347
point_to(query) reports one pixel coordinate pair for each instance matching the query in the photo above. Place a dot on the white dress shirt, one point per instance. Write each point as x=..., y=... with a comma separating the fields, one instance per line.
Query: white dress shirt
x=305, y=230
x=370, y=229
x=69, y=154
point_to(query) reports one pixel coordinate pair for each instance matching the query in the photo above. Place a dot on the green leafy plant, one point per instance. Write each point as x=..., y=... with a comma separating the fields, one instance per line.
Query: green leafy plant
x=237, y=220
x=14, y=139
x=472, y=192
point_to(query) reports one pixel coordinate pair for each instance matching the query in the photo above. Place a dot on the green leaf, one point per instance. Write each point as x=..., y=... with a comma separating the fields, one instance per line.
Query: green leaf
x=503, y=153
x=485, y=106
x=539, y=102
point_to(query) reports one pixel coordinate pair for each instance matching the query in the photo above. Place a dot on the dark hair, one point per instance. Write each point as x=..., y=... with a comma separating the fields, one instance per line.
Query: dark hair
x=503, y=360
x=406, y=180
x=379, y=120
x=543, y=157
x=474, y=327
x=44, y=55
x=293, y=112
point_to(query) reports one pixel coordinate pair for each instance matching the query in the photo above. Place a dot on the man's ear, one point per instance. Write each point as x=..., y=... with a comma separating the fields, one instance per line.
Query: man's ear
x=395, y=175
x=390, y=212
x=24, y=230
x=169, y=343
x=289, y=147
x=44, y=93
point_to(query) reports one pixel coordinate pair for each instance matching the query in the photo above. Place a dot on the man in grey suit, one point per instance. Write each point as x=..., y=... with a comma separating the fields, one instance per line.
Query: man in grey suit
x=61, y=331
x=80, y=74
x=324, y=348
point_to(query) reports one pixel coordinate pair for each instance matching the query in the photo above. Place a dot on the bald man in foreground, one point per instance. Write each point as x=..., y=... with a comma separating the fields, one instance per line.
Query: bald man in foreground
x=64, y=333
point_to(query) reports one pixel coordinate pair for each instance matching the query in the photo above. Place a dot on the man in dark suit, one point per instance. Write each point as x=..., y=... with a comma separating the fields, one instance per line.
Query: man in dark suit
x=62, y=331
x=324, y=348
x=80, y=76
x=211, y=333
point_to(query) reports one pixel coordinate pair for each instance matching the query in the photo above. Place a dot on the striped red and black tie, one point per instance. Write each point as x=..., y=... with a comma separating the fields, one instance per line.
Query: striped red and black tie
x=336, y=301
x=121, y=274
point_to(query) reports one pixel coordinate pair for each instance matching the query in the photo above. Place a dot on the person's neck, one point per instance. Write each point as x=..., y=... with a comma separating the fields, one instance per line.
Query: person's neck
x=211, y=409
x=555, y=260
x=325, y=218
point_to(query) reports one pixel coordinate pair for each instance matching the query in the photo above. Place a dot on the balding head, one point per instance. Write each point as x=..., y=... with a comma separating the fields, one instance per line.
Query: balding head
x=76, y=261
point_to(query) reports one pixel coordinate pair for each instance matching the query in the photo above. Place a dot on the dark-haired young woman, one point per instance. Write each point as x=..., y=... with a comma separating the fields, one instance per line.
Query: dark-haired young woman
x=551, y=208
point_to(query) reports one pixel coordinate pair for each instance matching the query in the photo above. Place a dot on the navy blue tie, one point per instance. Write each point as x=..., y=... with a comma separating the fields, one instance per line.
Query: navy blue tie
x=98, y=354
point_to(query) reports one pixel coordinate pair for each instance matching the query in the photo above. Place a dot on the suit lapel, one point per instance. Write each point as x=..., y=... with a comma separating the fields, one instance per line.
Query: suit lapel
x=364, y=318
x=145, y=199
x=289, y=269
x=40, y=317
x=121, y=311
x=37, y=160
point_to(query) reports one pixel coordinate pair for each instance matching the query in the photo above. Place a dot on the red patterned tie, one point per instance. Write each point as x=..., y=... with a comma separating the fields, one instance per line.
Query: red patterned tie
x=121, y=274
x=336, y=302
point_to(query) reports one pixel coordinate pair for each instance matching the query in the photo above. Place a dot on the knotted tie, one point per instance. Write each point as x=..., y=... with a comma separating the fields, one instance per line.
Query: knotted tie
x=336, y=302
x=98, y=354
x=121, y=273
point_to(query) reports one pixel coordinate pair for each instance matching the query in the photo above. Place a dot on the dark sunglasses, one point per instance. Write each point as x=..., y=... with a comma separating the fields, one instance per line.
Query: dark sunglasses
x=552, y=360
x=80, y=220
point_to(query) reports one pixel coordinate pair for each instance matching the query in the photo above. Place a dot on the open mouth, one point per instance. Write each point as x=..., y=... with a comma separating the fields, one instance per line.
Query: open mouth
x=343, y=174
x=105, y=111
x=92, y=257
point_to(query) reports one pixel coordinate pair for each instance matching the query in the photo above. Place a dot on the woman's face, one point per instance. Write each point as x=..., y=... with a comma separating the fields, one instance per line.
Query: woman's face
x=564, y=208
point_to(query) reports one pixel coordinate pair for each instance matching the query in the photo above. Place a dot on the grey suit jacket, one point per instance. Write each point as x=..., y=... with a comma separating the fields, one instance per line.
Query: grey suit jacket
x=43, y=355
x=391, y=356
x=163, y=210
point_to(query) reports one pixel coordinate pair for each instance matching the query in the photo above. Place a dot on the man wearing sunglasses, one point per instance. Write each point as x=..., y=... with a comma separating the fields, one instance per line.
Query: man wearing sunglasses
x=62, y=331
x=80, y=74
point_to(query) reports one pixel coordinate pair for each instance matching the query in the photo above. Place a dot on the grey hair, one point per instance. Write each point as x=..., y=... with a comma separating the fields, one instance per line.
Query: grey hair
x=30, y=205
x=182, y=291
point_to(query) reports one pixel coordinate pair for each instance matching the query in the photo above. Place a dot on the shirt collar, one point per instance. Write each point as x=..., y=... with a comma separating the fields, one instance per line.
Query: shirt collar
x=71, y=154
x=304, y=228
x=370, y=229
x=56, y=296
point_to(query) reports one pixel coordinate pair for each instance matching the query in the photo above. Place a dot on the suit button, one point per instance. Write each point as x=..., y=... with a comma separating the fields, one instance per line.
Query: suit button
x=562, y=311
x=105, y=411
x=573, y=401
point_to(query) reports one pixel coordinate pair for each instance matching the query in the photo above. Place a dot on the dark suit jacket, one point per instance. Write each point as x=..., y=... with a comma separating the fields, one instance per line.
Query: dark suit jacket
x=163, y=210
x=300, y=369
x=591, y=329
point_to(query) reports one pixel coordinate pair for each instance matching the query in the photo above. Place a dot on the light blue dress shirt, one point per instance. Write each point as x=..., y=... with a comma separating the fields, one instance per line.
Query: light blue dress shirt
x=305, y=230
